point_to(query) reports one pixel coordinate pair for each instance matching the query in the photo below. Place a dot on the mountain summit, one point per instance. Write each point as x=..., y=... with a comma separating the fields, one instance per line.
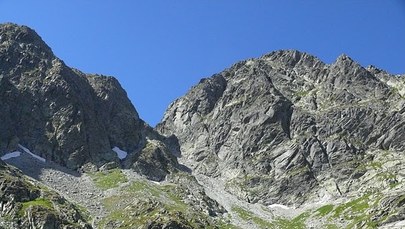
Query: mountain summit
x=59, y=113
x=280, y=141
x=79, y=135
x=289, y=129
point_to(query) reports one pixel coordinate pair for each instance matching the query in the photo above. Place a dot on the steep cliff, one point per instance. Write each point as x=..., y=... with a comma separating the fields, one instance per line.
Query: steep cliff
x=76, y=133
x=62, y=114
x=287, y=128
x=280, y=141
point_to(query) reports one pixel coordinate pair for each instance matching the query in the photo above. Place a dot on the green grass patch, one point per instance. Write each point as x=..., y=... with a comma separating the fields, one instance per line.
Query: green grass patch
x=84, y=212
x=370, y=165
x=242, y=213
x=324, y=210
x=302, y=93
x=297, y=222
x=355, y=212
x=108, y=179
x=279, y=223
x=44, y=203
x=167, y=193
x=249, y=216
x=355, y=206
x=298, y=171
x=223, y=225
x=331, y=226
x=144, y=187
x=141, y=202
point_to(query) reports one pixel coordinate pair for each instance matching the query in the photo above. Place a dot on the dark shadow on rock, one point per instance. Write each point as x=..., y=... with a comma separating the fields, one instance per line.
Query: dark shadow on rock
x=20, y=127
x=33, y=167
x=184, y=168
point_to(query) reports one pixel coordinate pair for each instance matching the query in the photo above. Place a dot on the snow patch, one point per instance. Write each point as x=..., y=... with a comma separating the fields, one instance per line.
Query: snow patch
x=278, y=206
x=120, y=153
x=11, y=155
x=30, y=153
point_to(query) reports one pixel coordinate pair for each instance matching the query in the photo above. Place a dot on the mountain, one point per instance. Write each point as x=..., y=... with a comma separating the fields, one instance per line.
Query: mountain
x=62, y=114
x=280, y=141
x=288, y=129
x=76, y=133
x=34, y=206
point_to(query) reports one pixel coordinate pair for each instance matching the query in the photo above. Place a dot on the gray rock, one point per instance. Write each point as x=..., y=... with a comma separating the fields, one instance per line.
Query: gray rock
x=67, y=117
x=284, y=128
x=280, y=127
x=26, y=204
x=64, y=115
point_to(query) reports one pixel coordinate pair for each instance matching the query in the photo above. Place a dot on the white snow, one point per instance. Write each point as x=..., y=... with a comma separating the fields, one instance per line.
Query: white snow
x=120, y=153
x=278, y=206
x=11, y=155
x=30, y=153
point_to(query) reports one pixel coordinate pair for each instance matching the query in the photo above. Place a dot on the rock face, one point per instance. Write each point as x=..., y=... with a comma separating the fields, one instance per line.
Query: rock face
x=283, y=129
x=288, y=128
x=25, y=204
x=59, y=113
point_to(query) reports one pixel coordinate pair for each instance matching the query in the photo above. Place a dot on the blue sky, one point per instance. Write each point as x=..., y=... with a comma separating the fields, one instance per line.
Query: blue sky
x=159, y=49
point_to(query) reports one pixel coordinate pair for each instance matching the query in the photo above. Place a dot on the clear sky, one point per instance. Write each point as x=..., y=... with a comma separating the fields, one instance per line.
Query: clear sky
x=159, y=49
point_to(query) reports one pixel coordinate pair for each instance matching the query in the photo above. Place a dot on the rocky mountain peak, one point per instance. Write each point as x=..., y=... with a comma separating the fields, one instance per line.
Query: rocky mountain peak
x=62, y=114
x=344, y=61
x=280, y=141
x=291, y=58
x=13, y=33
x=22, y=47
x=284, y=125
x=67, y=129
x=344, y=57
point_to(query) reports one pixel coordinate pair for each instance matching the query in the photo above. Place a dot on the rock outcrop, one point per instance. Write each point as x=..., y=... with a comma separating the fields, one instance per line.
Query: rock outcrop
x=297, y=141
x=288, y=128
x=85, y=123
x=62, y=114
x=25, y=203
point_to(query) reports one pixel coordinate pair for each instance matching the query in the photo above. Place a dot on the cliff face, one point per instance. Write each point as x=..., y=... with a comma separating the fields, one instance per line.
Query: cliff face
x=326, y=140
x=288, y=128
x=59, y=113
x=57, y=121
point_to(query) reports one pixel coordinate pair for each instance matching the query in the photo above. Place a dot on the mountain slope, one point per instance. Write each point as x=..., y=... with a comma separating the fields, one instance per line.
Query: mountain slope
x=281, y=141
x=60, y=113
x=26, y=203
x=64, y=115
x=76, y=138
x=289, y=129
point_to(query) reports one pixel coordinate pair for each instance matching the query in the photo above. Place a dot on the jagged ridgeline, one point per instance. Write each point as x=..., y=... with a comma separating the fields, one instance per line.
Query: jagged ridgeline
x=52, y=116
x=64, y=115
x=289, y=129
x=281, y=141
x=60, y=113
